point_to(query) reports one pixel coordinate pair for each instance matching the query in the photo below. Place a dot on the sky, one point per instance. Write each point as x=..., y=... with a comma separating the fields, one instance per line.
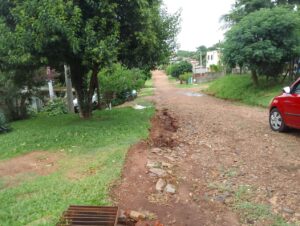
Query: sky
x=200, y=21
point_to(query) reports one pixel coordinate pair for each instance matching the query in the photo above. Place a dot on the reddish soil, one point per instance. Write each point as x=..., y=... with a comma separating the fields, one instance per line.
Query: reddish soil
x=38, y=163
x=211, y=146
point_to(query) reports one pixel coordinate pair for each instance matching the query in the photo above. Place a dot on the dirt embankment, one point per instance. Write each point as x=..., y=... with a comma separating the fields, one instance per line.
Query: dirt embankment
x=162, y=158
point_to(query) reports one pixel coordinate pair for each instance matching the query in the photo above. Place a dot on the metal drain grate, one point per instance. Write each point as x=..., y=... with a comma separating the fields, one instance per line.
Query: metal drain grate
x=89, y=216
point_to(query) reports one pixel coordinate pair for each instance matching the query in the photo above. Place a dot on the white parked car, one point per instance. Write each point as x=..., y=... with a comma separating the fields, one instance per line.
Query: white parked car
x=76, y=104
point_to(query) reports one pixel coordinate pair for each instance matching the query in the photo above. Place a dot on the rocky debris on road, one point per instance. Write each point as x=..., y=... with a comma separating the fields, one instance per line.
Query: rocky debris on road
x=153, y=164
x=222, y=197
x=159, y=198
x=157, y=151
x=158, y=172
x=137, y=218
x=159, y=164
x=288, y=210
x=137, y=215
x=160, y=185
x=167, y=165
x=170, y=188
x=220, y=144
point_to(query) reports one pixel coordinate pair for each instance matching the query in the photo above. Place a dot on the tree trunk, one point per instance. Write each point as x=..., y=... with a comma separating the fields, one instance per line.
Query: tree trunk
x=84, y=91
x=80, y=84
x=254, y=77
x=98, y=94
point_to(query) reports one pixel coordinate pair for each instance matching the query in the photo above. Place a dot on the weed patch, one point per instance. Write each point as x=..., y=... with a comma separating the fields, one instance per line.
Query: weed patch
x=240, y=88
x=251, y=212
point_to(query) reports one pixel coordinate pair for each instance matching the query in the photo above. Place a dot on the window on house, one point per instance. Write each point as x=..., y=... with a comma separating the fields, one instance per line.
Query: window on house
x=212, y=57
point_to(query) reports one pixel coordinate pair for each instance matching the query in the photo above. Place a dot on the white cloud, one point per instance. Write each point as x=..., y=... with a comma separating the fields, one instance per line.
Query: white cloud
x=200, y=21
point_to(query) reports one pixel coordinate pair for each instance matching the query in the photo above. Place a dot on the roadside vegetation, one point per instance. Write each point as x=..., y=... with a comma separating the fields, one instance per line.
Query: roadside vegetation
x=177, y=69
x=82, y=36
x=240, y=88
x=91, y=155
x=251, y=212
x=180, y=71
x=148, y=89
x=107, y=50
x=241, y=200
x=262, y=40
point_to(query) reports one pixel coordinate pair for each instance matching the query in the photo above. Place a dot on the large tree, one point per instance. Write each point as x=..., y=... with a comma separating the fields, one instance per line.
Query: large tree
x=263, y=41
x=242, y=8
x=88, y=35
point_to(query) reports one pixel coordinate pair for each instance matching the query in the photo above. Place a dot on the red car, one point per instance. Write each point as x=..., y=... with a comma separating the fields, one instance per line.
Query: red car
x=285, y=109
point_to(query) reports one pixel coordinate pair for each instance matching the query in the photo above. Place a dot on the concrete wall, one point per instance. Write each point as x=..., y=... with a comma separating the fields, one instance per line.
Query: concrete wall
x=207, y=77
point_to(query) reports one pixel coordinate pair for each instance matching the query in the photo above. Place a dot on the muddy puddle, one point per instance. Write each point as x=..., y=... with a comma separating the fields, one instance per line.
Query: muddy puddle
x=192, y=94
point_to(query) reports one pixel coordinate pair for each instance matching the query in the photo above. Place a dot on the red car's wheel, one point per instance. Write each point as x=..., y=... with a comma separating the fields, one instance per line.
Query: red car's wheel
x=276, y=121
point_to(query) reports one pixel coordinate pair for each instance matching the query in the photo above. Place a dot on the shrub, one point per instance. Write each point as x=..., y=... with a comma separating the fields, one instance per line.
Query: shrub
x=169, y=69
x=117, y=82
x=215, y=68
x=13, y=97
x=55, y=107
x=179, y=68
x=3, y=123
x=185, y=77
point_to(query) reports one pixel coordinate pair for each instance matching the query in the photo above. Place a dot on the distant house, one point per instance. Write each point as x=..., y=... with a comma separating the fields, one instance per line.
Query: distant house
x=197, y=69
x=212, y=58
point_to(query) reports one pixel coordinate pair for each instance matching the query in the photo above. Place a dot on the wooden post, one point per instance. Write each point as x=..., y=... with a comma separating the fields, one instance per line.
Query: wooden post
x=69, y=89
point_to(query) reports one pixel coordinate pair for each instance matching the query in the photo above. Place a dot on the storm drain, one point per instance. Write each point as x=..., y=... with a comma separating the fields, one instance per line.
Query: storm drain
x=89, y=216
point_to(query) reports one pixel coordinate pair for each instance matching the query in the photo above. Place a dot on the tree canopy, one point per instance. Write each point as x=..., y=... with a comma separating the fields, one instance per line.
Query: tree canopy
x=179, y=68
x=263, y=41
x=87, y=35
x=242, y=8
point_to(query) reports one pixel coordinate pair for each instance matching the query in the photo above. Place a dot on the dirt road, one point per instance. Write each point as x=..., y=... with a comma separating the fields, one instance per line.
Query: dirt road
x=227, y=166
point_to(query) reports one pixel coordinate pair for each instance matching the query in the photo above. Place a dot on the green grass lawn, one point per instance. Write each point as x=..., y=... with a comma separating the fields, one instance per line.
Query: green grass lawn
x=93, y=149
x=240, y=88
x=148, y=90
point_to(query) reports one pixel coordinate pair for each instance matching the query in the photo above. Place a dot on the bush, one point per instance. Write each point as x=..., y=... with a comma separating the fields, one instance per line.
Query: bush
x=55, y=107
x=117, y=82
x=13, y=98
x=179, y=68
x=185, y=77
x=215, y=68
x=169, y=69
x=3, y=123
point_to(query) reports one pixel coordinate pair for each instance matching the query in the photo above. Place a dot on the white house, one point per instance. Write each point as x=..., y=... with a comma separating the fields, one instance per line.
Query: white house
x=212, y=58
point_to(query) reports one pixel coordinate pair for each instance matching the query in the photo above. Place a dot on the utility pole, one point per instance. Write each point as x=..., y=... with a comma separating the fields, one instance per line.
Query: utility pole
x=200, y=58
x=69, y=89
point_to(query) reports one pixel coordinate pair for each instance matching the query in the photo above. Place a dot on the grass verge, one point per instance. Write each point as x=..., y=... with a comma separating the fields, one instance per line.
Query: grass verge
x=148, y=90
x=240, y=88
x=93, y=155
x=250, y=212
